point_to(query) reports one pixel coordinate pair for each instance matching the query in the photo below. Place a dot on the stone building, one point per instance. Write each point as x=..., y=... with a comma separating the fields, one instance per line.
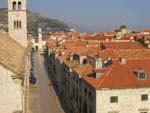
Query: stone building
x=14, y=60
x=39, y=43
x=13, y=69
x=94, y=80
x=122, y=31
x=17, y=21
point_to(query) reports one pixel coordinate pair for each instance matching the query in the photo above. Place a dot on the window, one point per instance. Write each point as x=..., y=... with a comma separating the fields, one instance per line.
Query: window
x=15, y=25
x=114, y=99
x=20, y=24
x=14, y=5
x=85, y=91
x=141, y=75
x=143, y=110
x=90, y=94
x=19, y=6
x=65, y=70
x=84, y=61
x=76, y=80
x=144, y=97
x=90, y=62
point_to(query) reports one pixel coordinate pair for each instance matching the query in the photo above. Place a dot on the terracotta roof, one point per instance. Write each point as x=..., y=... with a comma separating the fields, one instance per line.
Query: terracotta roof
x=57, y=34
x=107, y=53
x=79, y=50
x=123, y=45
x=112, y=33
x=50, y=43
x=73, y=34
x=122, y=76
x=64, y=57
x=11, y=54
x=99, y=38
x=146, y=30
x=84, y=69
x=72, y=43
x=115, y=75
x=117, y=53
x=134, y=53
x=72, y=63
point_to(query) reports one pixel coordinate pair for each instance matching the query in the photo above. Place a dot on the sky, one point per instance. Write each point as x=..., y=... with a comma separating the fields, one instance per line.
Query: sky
x=94, y=15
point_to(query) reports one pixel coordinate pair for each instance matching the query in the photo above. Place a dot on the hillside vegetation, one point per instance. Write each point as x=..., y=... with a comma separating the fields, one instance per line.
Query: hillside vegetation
x=35, y=20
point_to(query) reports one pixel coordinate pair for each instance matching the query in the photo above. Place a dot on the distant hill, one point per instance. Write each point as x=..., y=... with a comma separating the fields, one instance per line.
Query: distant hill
x=35, y=20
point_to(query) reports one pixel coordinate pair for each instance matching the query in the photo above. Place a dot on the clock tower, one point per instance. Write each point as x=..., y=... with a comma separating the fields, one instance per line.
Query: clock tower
x=17, y=21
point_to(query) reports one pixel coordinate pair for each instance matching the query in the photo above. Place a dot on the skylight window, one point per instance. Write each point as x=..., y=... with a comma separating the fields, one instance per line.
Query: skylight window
x=107, y=62
x=141, y=75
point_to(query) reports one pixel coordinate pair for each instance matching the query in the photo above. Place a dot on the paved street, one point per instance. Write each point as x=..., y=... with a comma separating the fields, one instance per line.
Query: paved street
x=48, y=100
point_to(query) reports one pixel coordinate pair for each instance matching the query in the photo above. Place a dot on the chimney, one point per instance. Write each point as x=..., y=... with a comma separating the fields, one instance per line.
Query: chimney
x=123, y=60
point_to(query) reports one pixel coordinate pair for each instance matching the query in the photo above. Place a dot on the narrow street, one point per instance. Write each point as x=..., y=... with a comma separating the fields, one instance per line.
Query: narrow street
x=48, y=100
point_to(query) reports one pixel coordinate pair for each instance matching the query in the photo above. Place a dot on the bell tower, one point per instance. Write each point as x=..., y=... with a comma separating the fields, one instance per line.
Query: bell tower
x=17, y=21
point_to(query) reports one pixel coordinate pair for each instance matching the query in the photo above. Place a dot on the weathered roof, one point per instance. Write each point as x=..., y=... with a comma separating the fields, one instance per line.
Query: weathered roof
x=122, y=76
x=117, y=53
x=98, y=38
x=123, y=45
x=84, y=69
x=11, y=54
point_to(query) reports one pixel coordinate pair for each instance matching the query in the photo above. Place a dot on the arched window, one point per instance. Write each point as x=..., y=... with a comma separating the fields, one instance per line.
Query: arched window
x=14, y=5
x=19, y=6
x=15, y=25
x=20, y=24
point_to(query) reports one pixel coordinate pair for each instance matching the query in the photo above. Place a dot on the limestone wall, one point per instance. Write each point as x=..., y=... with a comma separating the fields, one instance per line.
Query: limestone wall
x=129, y=100
x=10, y=92
x=20, y=34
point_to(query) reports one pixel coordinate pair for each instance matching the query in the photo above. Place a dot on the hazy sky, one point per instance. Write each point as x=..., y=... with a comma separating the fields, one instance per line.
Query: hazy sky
x=95, y=15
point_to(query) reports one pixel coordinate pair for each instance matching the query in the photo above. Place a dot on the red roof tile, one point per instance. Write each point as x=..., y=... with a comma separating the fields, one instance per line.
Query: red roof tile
x=11, y=54
x=99, y=38
x=122, y=76
x=84, y=69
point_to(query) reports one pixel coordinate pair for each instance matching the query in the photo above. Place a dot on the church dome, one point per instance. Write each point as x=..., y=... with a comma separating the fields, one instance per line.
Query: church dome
x=123, y=27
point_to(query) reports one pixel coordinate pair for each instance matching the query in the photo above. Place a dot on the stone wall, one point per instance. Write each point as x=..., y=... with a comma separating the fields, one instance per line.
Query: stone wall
x=88, y=98
x=20, y=35
x=129, y=100
x=10, y=92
